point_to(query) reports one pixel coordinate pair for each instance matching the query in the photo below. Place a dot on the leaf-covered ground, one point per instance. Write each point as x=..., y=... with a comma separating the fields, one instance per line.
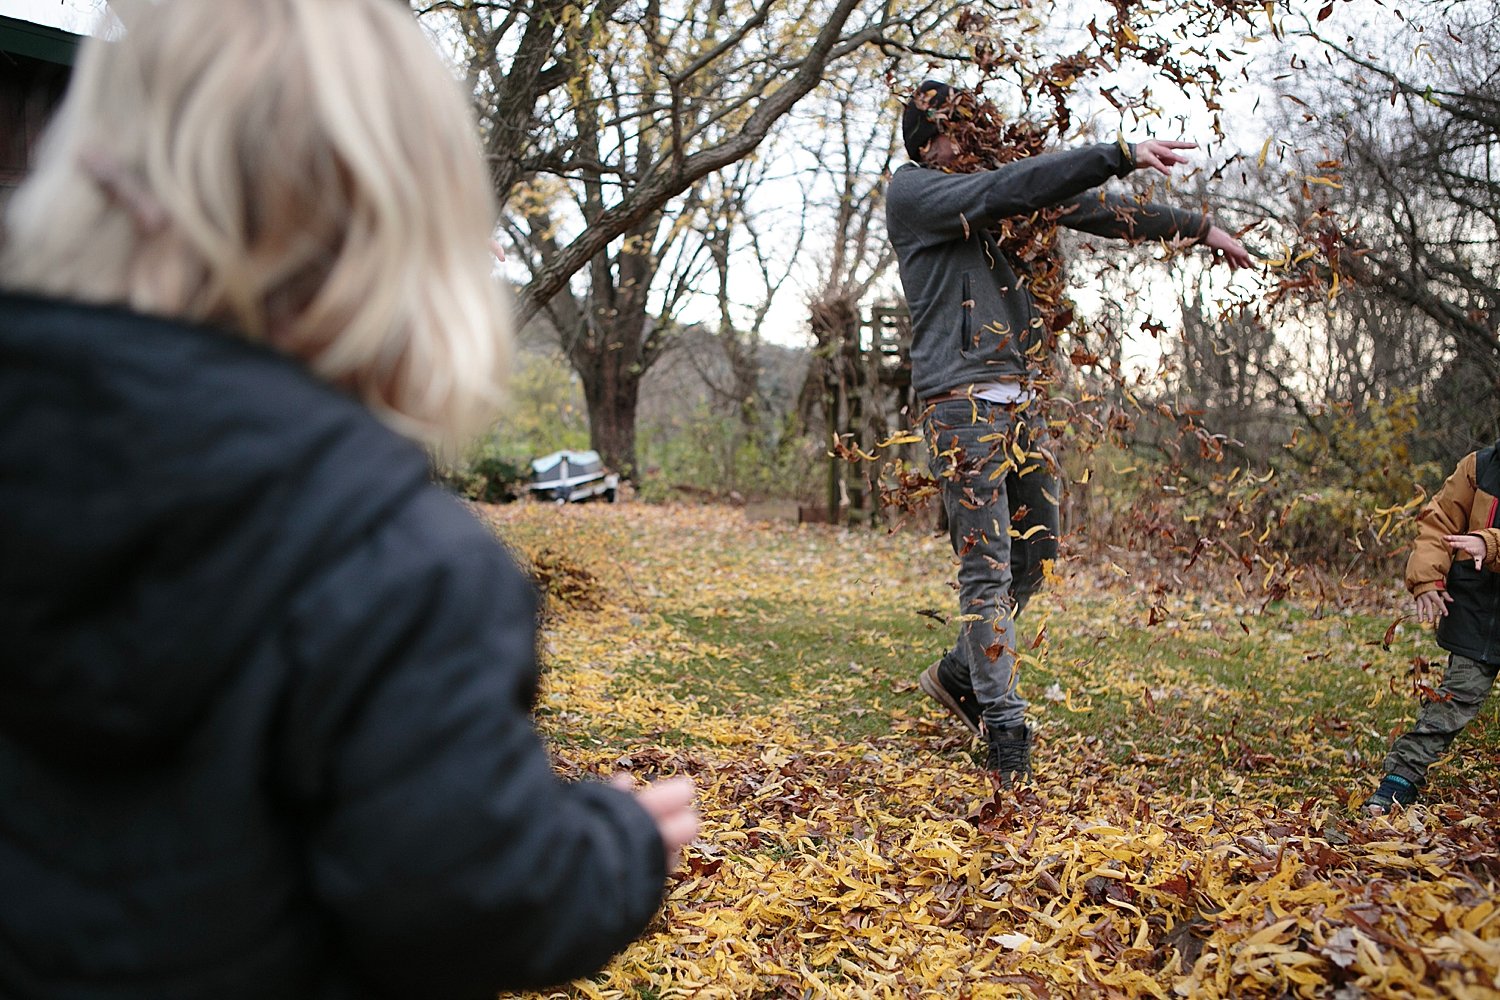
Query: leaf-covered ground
x=1191, y=829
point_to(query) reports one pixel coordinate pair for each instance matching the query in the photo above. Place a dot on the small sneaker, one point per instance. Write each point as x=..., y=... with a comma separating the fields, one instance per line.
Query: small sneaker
x=964, y=706
x=1393, y=790
x=1009, y=758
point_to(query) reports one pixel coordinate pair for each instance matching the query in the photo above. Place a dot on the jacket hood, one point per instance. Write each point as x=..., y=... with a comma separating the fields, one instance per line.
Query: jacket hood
x=165, y=489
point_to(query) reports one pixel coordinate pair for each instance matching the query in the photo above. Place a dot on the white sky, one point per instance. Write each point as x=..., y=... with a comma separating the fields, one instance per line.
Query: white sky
x=787, y=322
x=1246, y=126
x=70, y=15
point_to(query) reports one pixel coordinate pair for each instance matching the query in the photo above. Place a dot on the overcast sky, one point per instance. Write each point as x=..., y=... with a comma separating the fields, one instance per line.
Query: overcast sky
x=70, y=15
x=788, y=324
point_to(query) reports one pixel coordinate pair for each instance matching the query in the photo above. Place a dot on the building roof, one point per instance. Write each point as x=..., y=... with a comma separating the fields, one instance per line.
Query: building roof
x=38, y=41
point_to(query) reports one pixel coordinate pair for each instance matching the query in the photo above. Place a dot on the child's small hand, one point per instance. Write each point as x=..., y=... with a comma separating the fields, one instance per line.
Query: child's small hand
x=670, y=803
x=1470, y=545
x=1433, y=605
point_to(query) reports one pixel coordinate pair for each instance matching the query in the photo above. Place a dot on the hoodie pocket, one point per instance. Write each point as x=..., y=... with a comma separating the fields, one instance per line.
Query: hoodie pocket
x=966, y=315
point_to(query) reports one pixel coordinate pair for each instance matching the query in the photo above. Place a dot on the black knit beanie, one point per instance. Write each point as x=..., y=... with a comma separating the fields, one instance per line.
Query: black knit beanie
x=917, y=126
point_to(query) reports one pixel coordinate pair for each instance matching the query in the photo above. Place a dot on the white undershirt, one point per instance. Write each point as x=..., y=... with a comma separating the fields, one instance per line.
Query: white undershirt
x=1001, y=392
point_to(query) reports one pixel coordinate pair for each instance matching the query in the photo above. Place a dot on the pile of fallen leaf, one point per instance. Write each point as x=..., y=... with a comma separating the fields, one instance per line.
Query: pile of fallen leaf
x=561, y=583
x=889, y=866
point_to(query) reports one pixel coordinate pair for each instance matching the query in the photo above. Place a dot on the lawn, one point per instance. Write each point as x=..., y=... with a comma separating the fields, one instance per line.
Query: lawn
x=1191, y=829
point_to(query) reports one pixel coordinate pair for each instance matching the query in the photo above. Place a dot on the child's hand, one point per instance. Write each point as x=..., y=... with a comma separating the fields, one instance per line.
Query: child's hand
x=1470, y=545
x=1433, y=605
x=670, y=803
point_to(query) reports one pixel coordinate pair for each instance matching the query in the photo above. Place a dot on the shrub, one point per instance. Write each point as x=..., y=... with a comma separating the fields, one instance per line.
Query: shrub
x=712, y=454
x=1340, y=497
x=486, y=476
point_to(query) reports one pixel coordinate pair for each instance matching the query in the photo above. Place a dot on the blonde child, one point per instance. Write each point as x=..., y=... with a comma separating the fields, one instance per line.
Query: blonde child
x=264, y=702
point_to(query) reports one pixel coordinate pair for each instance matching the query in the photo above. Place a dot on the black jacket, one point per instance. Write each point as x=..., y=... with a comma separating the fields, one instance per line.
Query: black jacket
x=1468, y=503
x=264, y=696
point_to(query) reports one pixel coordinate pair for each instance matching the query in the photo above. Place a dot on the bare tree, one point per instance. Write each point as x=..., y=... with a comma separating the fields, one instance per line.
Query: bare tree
x=711, y=82
x=854, y=149
x=1408, y=137
x=738, y=238
x=625, y=107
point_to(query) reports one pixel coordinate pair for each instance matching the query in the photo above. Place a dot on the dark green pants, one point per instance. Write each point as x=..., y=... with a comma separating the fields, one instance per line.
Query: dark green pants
x=1465, y=684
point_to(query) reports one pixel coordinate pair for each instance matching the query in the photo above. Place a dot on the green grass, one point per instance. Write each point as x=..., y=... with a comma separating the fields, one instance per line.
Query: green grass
x=776, y=666
x=822, y=628
x=1187, y=702
x=837, y=661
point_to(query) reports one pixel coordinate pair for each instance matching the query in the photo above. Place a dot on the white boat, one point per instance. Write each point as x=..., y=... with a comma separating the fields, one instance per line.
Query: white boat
x=572, y=476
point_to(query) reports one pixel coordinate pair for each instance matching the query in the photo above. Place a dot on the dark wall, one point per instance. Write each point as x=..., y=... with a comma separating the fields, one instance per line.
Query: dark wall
x=30, y=90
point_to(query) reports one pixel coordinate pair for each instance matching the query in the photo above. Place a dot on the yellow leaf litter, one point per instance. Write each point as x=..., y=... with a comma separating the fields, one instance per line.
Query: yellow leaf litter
x=887, y=866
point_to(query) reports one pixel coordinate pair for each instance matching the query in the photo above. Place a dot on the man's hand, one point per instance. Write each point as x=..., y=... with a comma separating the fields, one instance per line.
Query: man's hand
x=1233, y=252
x=1433, y=605
x=670, y=803
x=1161, y=154
x=1470, y=545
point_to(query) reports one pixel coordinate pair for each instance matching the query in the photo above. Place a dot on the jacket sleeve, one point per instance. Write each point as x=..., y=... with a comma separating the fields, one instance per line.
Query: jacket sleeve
x=1491, y=538
x=1127, y=219
x=452, y=859
x=934, y=207
x=1447, y=513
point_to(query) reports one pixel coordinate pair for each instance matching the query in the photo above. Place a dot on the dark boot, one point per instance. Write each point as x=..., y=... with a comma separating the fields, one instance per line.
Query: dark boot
x=1009, y=757
x=1394, y=791
x=956, y=699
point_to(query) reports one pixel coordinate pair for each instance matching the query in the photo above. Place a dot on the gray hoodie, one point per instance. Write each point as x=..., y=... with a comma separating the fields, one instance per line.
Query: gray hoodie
x=973, y=319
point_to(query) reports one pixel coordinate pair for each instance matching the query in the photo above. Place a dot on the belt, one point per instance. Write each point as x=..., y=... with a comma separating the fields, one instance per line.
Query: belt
x=945, y=397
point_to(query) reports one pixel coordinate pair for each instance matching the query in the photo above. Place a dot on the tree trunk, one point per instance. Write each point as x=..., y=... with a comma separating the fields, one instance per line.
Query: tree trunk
x=612, y=391
x=615, y=352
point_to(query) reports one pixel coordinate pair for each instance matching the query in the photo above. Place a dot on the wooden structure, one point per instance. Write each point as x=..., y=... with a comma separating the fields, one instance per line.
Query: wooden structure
x=35, y=63
x=868, y=399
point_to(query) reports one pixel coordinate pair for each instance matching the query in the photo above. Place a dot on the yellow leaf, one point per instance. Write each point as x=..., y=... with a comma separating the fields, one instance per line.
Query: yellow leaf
x=1479, y=916
x=1270, y=933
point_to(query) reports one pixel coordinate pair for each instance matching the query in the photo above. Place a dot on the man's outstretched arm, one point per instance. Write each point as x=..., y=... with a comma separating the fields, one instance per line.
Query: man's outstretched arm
x=1124, y=218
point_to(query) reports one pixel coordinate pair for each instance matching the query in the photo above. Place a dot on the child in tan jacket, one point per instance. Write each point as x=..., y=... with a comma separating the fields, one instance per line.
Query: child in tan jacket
x=1454, y=574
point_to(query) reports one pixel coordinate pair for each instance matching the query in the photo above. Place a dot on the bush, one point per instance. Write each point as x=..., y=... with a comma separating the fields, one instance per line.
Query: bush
x=486, y=476
x=544, y=415
x=712, y=454
x=1357, y=482
x=1342, y=497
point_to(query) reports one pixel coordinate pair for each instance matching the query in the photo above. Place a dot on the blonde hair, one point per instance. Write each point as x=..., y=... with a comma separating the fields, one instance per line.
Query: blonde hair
x=303, y=172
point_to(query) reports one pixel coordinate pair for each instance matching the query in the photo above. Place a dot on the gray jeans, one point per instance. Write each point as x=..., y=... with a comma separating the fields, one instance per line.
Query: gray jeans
x=1001, y=502
x=1465, y=685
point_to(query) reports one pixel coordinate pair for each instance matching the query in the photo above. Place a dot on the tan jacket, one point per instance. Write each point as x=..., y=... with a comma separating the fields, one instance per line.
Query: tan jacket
x=1459, y=508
